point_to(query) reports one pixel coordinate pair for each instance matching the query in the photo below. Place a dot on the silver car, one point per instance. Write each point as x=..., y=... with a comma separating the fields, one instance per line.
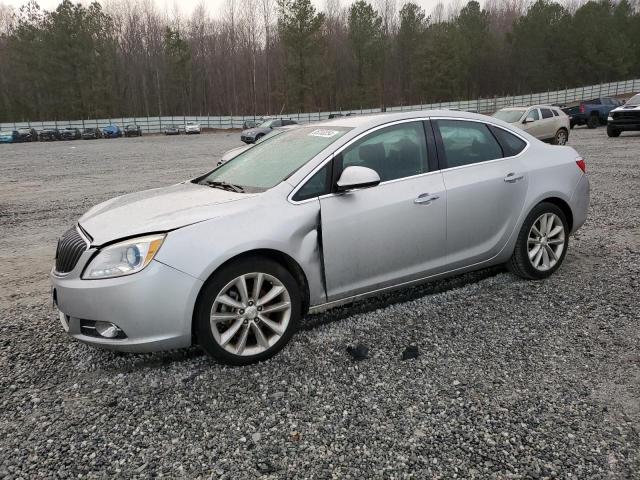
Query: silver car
x=312, y=218
x=254, y=134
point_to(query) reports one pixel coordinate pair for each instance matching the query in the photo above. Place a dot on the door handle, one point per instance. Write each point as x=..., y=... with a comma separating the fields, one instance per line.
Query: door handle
x=513, y=178
x=425, y=199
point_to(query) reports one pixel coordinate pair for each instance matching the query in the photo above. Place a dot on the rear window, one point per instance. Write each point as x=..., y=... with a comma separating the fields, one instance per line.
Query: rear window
x=511, y=145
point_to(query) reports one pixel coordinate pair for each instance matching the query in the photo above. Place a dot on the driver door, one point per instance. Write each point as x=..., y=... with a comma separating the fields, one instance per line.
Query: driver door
x=394, y=232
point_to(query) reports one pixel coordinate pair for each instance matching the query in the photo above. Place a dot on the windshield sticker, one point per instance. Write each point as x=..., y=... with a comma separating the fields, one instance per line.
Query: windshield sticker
x=324, y=133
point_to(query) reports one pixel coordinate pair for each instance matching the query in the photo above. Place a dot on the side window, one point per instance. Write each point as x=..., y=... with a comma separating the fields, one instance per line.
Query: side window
x=316, y=185
x=394, y=152
x=546, y=113
x=511, y=145
x=533, y=114
x=555, y=113
x=467, y=142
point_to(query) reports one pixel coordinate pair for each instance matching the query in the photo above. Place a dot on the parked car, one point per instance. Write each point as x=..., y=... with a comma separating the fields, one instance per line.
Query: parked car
x=234, y=152
x=132, y=131
x=70, y=133
x=233, y=259
x=172, y=130
x=91, y=133
x=8, y=136
x=624, y=118
x=27, y=135
x=191, y=128
x=591, y=112
x=247, y=124
x=111, y=131
x=254, y=134
x=546, y=123
x=339, y=114
x=49, y=134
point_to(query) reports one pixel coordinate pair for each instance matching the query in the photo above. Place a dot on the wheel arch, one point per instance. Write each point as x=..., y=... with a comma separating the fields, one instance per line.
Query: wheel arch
x=277, y=256
x=562, y=205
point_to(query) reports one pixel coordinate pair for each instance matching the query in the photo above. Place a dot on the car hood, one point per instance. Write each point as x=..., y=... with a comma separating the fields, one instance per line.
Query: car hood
x=156, y=210
x=626, y=108
x=255, y=131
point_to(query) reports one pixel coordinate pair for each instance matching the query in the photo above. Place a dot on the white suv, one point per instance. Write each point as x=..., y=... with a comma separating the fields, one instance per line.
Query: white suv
x=546, y=123
x=191, y=127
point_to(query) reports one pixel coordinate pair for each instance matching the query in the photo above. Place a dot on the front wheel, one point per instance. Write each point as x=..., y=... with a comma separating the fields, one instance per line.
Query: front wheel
x=542, y=243
x=613, y=132
x=248, y=311
x=593, y=121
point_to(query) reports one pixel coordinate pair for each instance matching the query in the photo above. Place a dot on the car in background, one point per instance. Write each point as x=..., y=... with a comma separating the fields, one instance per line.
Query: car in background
x=339, y=114
x=247, y=124
x=8, y=136
x=70, y=133
x=111, y=131
x=254, y=134
x=624, y=118
x=91, y=133
x=234, y=152
x=312, y=218
x=27, y=135
x=132, y=131
x=192, y=128
x=546, y=123
x=172, y=130
x=591, y=113
x=49, y=134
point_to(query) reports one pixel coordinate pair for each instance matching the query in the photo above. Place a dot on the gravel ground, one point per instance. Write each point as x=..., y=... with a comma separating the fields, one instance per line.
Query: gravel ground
x=515, y=379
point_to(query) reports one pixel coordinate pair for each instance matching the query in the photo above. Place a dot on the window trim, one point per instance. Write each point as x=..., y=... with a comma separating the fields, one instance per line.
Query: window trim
x=427, y=121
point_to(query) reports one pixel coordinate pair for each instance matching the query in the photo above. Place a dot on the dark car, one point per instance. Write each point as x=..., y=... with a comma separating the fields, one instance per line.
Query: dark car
x=591, y=112
x=111, y=131
x=624, y=118
x=339, y=114
x=27, y=135
x=49, y=134
x=91, y=133
x=172, y=130
x=70, y=134
x=132, y=131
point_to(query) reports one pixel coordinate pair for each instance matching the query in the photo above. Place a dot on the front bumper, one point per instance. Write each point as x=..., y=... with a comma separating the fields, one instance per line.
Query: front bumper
x=153, y=307
x=624, y=124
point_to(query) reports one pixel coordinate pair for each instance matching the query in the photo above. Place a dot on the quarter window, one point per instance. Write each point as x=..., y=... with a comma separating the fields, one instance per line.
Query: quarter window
x=511, y=145
x=316, y=185
x=555, y=113
x=466, y=143
x=394, y=152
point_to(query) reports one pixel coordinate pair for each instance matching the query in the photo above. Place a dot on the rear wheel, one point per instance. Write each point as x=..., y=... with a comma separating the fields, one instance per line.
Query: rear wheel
x=248, y=311
x=613, y=132
x=561, y=137
x=542, y=243
x=593, y=121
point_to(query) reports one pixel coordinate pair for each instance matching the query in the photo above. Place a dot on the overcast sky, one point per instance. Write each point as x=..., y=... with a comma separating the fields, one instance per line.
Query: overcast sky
x=214, y=6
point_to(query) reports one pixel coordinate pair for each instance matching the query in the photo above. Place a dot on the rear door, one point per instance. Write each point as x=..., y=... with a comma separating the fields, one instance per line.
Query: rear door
x=394, y=232
x=548, y=124
x=486, y=181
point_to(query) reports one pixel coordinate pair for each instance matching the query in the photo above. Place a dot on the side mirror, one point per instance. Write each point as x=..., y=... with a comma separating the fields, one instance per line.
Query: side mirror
x=353, y=178
x=529, y=120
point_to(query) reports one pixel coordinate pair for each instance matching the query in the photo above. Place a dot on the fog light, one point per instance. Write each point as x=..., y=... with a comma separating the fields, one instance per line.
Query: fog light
x=107, y=329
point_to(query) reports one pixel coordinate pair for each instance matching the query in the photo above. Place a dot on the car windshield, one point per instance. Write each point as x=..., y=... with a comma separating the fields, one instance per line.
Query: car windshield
x=269, y=162
x=509, y=116
x=634, y=101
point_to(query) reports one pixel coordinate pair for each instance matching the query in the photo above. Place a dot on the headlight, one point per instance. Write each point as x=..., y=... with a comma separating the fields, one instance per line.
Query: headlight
x=124, y=258
x=609, y=118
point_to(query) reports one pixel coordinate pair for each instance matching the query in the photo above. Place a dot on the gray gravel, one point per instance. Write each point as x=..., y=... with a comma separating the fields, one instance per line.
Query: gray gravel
x=514, y=379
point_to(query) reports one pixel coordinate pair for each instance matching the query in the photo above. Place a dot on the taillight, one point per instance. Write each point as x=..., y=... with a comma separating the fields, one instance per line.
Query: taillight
x=582, y=108
x=581, y=165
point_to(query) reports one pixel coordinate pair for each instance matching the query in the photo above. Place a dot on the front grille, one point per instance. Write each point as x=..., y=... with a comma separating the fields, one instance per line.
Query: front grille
x=71, y=246
x=633, y=116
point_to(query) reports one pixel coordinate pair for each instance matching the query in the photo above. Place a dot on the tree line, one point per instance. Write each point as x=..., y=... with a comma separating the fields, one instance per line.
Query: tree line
x=261, y=57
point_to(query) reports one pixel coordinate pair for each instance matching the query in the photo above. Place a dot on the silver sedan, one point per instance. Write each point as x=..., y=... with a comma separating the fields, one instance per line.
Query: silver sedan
x=312, y=218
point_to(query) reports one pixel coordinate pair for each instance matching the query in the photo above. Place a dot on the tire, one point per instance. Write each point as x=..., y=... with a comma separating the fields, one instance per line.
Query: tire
x=258, y=137
x=520, y=264
x=593, y=121
x=613, y=132
x=241, y=318
x=561, y=137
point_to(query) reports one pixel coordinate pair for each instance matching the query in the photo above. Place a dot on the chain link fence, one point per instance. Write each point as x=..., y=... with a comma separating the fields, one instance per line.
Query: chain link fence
x=481, y=105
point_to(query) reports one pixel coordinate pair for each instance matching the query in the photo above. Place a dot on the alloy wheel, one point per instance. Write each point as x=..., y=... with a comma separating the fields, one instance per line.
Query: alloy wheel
x=250, y=314
x=561, y=137
x=546, y=241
